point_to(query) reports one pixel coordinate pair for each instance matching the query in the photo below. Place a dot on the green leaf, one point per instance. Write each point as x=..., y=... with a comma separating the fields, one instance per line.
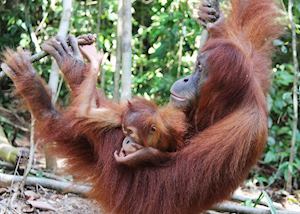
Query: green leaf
x=270, y=157
x=270, y=202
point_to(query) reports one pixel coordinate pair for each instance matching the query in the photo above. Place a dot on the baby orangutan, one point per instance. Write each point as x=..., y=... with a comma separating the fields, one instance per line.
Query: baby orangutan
x=144, y=124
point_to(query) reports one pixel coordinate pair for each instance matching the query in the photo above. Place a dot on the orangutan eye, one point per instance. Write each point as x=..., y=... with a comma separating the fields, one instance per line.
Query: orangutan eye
x=153, y=129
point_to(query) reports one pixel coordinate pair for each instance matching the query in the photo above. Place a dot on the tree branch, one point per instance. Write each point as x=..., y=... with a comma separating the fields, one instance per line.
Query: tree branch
x=236, y=208
x=66, y=187
x=36, y=57
x=13, y=119
x=295, y=96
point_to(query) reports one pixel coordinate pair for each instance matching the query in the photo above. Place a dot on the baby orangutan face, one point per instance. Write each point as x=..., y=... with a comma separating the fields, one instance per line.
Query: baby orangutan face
x=140, y=131
x=145, y=131
x=143, y=127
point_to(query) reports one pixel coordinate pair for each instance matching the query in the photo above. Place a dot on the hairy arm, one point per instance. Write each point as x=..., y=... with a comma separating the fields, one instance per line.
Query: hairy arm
x=32, y=88
x=18, y=67
x=85, y=102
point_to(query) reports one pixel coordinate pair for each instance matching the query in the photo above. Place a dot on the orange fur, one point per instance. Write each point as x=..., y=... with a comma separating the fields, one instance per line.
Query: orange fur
x=227, y=134
x=142, y=114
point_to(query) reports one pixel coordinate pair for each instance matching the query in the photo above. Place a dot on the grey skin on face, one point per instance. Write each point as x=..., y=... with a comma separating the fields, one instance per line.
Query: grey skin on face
x=186, y=90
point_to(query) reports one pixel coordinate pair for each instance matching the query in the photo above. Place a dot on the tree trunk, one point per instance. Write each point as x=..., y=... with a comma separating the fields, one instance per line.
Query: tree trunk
x=295, y=98
x=118, y=52
x=54, y=76
x=98, y=29
x=99, y=17
x=126, y=51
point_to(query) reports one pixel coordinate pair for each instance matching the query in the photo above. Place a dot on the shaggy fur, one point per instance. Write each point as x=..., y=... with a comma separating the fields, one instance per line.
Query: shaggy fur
x=228, y=135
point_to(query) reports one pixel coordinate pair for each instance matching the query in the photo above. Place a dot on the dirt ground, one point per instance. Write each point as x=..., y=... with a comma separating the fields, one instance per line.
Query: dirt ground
x=47, y=202
x=75, y=205
x=38, y=199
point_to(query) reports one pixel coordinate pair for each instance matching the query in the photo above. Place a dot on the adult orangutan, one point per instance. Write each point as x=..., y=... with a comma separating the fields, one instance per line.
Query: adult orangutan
x=228, y=121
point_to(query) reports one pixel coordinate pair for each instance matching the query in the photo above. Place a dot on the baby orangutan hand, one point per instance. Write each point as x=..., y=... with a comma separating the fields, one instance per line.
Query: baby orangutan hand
x=92, y=55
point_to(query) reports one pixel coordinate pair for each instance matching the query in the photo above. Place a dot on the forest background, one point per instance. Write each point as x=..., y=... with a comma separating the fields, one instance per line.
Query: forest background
x=165, y=41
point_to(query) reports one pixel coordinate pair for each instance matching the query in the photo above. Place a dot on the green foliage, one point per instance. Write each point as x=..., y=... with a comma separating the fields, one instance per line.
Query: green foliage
x=157, y=49
x=281, y=112
x=164, y=49
x=280, y=123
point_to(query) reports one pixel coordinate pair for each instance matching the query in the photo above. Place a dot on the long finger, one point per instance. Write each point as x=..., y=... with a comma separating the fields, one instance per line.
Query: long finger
x=207, y=10
x=74, y=45
x=52, y=51
x=58, y=47
x=64, y=44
